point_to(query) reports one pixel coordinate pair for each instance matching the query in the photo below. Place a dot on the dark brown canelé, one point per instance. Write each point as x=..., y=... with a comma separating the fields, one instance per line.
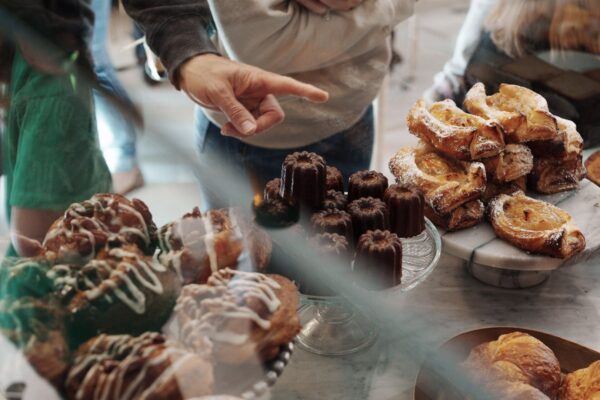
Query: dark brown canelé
x=272, y=189
x=378, y=260
x=303, y=177
x=335, y=180
x=333, y=221
x=332, y=245
x=406, y=209
x=276, y=213
x=366, y=184
x=367, y=213
x=335, y=200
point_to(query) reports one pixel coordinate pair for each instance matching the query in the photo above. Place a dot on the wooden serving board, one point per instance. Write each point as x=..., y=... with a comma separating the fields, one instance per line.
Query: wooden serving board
x=430, y=386
x=480, y=245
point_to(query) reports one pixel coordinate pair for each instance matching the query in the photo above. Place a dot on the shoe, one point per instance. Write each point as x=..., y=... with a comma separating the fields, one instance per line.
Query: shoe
x=125, y=182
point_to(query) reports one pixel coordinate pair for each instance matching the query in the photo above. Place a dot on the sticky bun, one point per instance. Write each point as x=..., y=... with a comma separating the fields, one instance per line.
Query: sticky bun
x=462, y=217
x=455, y=133
x=87, y=226
x=246, y=315
x=445, y=183
x=535, y=226
x=582, y=384
x=514, y=162
x=144, y=367
x=522, y=113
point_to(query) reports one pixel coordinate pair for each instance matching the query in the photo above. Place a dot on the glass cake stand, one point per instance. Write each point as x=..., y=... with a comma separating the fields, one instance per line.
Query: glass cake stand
x=333, y=326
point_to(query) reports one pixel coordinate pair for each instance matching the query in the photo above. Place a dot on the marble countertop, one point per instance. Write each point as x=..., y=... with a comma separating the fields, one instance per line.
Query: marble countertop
x=450, y=302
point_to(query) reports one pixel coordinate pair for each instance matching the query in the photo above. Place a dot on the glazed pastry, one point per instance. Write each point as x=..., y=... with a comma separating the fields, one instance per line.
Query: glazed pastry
x=335, y=180
x=276, y=212
x=406, y=209
x=119, y=286
x=583, y=384
x=335, y=200
x=514, y=162
x=37, y=327
x=515, y=359
x=197, y=245
x=145, y=367
x=367, y=214
x=559, y=171
x=378, y=263
x=272, y=189
x=453, y=132
x=329, y=245
x=463, y=217
x=303, y=179
x=535, y=226
x=366, y=184
x=445, y=183
x=87, y=226
x=245, y=315
x=592, y=164
x=522, y=113
x=333, y=221
x=493, y=189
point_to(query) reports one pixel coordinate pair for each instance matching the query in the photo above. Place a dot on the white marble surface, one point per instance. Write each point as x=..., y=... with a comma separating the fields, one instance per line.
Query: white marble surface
x=451, y=301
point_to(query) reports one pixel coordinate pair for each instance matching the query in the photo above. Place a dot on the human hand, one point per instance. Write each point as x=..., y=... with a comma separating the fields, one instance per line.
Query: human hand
x=245, y=94
x=322, y=6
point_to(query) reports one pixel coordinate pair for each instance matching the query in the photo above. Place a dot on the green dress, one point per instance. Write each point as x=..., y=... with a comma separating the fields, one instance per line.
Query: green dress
x=51, y=156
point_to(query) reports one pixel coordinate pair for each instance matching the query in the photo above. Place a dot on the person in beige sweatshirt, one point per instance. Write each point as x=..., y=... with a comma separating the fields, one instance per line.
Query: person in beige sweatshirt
x=346, y=53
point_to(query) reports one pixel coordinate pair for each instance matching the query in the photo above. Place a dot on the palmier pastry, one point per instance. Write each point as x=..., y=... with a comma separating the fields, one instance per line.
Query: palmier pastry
x=583, y=384
x=245, y=315
x=145, y=367
x=119, y=286
x=335, y=179
x=378, y=263
x=445, y=183
x=333, y=221
x=303, y=179
x=514, y=162
x=462, y=217
x=197, y=245
x=592, y=164
x=493, y=189
x=272, y=189
x=37, y=327
x=535, y=226
x=455, y=133
x=366, y=184
x=515, y=359
x=406, y=209
x=368, y=214
x=335, y=201
x=522, y=113
x=87, y=226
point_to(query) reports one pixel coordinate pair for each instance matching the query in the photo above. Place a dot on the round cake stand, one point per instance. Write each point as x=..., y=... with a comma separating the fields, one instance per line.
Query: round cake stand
x=333, y=326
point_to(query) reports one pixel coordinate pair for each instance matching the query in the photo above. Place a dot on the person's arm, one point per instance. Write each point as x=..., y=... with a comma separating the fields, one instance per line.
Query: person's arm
x=28, y=228
x=284, y=37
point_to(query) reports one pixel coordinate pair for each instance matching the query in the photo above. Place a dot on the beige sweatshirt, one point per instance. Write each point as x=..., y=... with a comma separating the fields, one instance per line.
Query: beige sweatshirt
x=345, y=53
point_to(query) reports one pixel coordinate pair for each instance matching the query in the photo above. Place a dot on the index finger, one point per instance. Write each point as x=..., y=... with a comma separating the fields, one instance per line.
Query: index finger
x=282, y=85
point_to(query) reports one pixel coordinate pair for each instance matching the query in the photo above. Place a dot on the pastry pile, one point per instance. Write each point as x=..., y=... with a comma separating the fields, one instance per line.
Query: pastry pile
x=486, y=158
x=101, y=316
x=519, y=366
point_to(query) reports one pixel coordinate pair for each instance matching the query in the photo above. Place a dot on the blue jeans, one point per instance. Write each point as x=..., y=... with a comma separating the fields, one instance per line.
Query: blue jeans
x=250, y=167
x=116, y=132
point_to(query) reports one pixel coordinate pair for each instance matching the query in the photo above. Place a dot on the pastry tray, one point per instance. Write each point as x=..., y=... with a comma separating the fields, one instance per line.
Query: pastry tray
x=430, y=386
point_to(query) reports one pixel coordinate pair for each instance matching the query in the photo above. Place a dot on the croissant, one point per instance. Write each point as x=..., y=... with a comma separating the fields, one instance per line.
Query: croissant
x=455, y=133
x=514, y=162
x=522, y=113
x=513, y=361
x=535, y=226
x=592, y=164
x=583, y=384
x=445, y=183
x=462, y=217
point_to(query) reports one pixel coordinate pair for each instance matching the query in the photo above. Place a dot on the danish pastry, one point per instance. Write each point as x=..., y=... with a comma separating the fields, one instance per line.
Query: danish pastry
x=494, y=189
x=582, y=384
x=592, y=164
x=554, y=176
x=87, y=226
x=197, y=245
x=244, y=314
x=535, y=226
x=568, y=145
x=514, y=162
x=522, y=113
x=462, y=217
x=445, y=183
x=453, y=132
x=145, y=367
x=513, y=360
